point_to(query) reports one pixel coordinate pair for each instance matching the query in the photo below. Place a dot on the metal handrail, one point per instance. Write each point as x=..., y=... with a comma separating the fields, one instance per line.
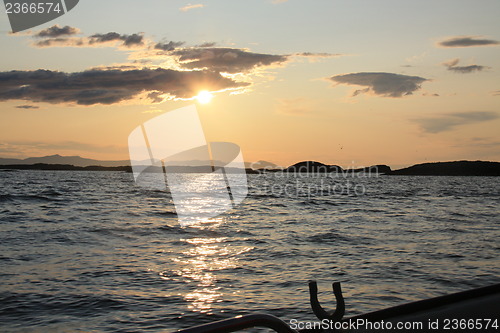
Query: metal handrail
x=242, y=322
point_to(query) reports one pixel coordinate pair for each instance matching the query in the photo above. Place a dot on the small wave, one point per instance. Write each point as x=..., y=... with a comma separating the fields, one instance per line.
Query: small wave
x=451, y=229
x=30, y=198
x=6, y=197
x=333, y=236
x=166, y=213
x=51, y=193
x=28, y=305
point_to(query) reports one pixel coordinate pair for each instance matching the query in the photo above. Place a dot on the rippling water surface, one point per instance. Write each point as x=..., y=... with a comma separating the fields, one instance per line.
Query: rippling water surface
x=90, y=251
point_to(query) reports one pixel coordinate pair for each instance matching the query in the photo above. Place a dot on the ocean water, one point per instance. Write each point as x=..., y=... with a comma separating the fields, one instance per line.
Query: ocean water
x=92, y=252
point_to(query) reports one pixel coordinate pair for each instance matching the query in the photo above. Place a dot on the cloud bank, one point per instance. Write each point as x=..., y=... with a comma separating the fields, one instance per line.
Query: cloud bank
x=169, y=70
x=205, y=56
x=382, y=84
x=109, y=86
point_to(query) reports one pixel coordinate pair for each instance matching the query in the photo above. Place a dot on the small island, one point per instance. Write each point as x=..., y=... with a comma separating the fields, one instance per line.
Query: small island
x=457, y=168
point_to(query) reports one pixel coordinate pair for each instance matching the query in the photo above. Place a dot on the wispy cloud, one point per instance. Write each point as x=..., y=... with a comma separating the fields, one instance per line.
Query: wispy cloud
x=485, y=142
x=496, y=93
x=417, y=58
x=23, y=149
x=295, y=106
x=452, y=66
x=27, y=107
x=317, y=55
x=207, y=44
x=190, y=6
x=450, y=121
x=382, y=84
x=110, y=86
x=484, y=148
x=278, y=1
x=467, y=41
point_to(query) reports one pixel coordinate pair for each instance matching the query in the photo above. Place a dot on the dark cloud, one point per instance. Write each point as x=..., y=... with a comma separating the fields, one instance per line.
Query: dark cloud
x=128, y=40
x=450, y=121
x=467, y=69
x=26, y=106
x=226, y=60
x=170, y=46
x=467, y=41
x=383, y=84
x=108, y=86
x=57, y=31
x=318, y=54
x=204, y=56
x=452, y=66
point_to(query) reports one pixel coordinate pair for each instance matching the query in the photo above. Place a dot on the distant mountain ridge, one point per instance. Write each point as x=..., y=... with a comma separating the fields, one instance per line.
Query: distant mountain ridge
x=78, y=161
x=58, y=159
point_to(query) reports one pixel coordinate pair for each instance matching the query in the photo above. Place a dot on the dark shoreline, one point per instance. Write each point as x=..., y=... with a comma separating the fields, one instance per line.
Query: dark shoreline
x=456, y=168
x=63, y=167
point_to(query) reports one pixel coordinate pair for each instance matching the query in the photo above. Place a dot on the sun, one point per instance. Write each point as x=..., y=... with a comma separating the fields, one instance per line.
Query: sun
x=204, y=97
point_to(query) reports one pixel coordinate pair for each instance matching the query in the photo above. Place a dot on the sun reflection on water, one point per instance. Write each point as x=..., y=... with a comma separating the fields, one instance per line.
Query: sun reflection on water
x=201, y=264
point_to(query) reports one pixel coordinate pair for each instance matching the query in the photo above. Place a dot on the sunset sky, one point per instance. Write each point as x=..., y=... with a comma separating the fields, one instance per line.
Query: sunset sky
x=341, y=82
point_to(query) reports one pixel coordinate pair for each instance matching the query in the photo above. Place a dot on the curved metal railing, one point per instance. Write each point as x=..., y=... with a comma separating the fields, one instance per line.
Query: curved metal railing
x=242, y=322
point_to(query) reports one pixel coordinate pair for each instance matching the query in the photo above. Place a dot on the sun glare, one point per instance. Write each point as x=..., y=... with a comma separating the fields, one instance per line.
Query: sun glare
x=204, y=97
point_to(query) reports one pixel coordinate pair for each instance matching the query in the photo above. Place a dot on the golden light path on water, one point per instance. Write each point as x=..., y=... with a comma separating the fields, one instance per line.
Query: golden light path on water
x=201, y=263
